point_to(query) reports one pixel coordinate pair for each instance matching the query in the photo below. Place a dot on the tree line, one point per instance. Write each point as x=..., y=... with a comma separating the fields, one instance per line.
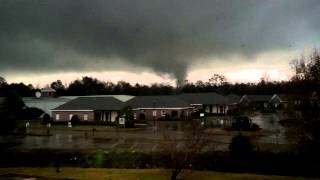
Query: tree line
x=306, y=78
x=93, y=86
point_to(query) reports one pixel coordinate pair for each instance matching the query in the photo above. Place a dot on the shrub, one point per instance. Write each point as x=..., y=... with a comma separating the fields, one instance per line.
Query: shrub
x=241, y=146
x=129, y=119
x=11, y=110
x=255, y=127
x=75, y=120
x=244, y=123
x=32, y=113
x=46, y=119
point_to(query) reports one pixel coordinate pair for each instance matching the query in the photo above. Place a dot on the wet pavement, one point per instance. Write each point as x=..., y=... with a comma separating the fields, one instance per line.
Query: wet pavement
x=146, y=138
x=270, y=121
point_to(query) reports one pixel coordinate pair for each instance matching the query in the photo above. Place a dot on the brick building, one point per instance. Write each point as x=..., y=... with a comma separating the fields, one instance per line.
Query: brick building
x=211, y=103
x=89, y=109
x=159, y=108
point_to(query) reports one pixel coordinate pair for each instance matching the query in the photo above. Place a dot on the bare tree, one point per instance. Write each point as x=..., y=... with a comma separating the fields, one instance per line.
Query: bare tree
x=307, y=69
x=265, y=77
x=184, y=150
x=303, y=124
x=2, y=81
x=218, y=80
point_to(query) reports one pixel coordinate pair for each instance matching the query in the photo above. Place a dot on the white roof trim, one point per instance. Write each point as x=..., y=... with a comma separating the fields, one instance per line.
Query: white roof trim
x=163, y=108
x=196, y=104
x=70, y=110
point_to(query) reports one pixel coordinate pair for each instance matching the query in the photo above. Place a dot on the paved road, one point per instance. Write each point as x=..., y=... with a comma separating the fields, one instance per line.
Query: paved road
x=270, y=121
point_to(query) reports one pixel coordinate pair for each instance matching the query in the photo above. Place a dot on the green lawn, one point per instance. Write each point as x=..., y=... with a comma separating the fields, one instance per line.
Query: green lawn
x=128, y=174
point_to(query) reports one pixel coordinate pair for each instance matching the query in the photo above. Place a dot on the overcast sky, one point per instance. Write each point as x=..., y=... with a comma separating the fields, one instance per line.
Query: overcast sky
x=154, y=41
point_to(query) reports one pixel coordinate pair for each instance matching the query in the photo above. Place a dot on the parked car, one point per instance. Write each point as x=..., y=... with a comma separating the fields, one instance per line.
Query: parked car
x=244, y=123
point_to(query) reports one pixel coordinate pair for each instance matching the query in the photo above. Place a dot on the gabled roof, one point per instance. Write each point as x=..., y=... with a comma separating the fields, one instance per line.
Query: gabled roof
x=157, y=102
x=44, y=99
x=203, y=98
x=292, y=97
x=258, y=98
x=120, y=97
x=233, y=98
x=48, y=90
x=45, y=103
x=92, y=103
x=288, y=97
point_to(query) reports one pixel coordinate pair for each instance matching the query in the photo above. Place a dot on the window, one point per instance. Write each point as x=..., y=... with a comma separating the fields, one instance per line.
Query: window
x=154, y=113
x=85, y=117
x=134, y=116
x=57, y=116
x=70, y=116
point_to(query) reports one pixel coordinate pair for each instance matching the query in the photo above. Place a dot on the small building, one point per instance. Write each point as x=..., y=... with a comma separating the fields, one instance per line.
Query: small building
x=211, y=103
x=159, y=108
x=48, y=92
x=279, y=101
x=256, y=101
x=233, y=103
x=89, y=109
x=45, y=103
x=233, y=98
x=48, y=103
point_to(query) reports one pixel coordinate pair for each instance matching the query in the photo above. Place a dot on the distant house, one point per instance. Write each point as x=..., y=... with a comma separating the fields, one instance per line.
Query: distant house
x=90, y=109
x=49, y=103
x=159, y=107
x=286, y=100
x=233, y=98
x=280, y=101
x=233, y=103
x=48, y=92
x=256, y=101
x=211, y=103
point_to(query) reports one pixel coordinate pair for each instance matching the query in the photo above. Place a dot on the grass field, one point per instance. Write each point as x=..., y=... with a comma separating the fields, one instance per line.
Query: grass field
x=129, y=174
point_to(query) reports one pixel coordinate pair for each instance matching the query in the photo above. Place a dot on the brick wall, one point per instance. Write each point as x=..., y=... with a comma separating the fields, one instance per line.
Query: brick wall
x=158, y=113
x=65, y=115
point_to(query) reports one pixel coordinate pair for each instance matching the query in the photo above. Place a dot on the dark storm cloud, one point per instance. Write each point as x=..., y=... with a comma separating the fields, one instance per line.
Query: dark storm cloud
x=166, y=36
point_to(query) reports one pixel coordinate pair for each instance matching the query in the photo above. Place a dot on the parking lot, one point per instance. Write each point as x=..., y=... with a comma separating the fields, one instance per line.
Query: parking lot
x=142, y=138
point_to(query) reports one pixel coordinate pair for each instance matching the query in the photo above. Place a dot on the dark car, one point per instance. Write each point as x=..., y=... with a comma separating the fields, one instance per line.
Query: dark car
x=244, y=123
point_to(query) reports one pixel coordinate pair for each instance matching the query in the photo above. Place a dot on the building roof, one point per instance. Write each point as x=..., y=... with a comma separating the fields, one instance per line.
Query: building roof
x=259, y=98
x=44, y=103
x=157, y=102
x=288, y=97
x=45, y=99
x=49, y=103
x=47, y=90
x=291, y=97
x=122, y=98
x=92, y=103
x=233, y=98
x=203, y=98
